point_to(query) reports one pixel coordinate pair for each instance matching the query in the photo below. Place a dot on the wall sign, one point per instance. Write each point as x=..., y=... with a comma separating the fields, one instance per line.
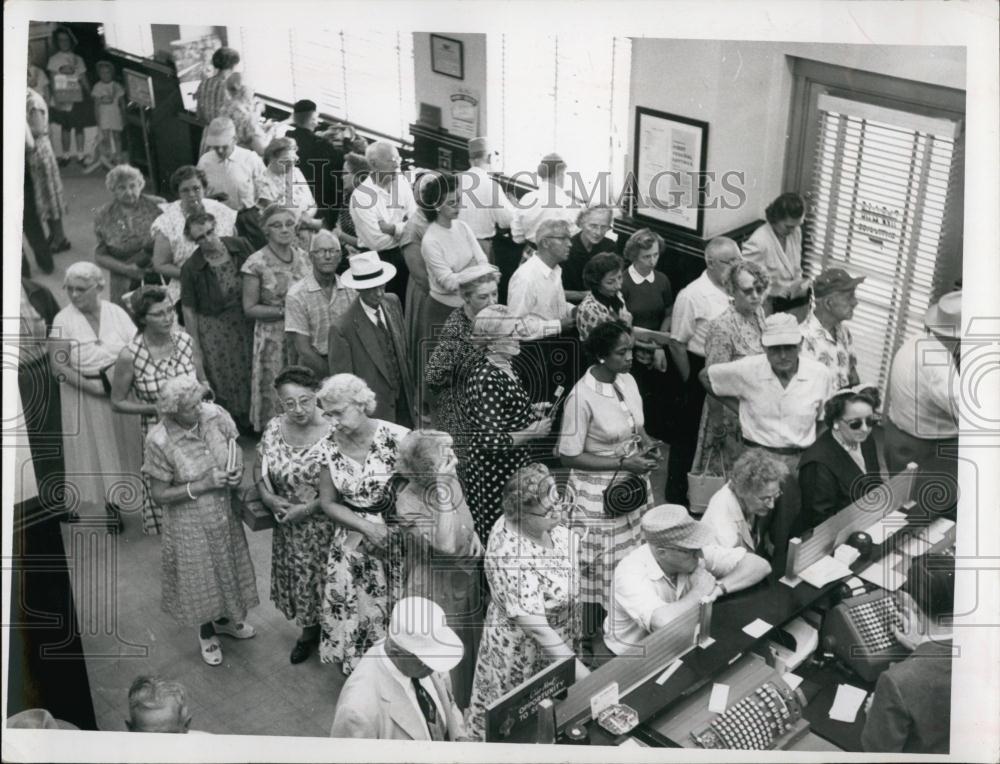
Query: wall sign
x=879, y=222
x=447, y=56
x=465, y=113
x=669, y=171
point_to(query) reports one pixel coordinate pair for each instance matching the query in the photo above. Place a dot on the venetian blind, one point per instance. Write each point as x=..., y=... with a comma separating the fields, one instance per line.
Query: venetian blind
x=883, y=184
x=556, y=95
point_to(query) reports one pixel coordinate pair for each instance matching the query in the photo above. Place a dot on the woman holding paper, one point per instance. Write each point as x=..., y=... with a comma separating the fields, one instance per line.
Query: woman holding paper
x=360, y=458
x=193, y=465
x=290, y=458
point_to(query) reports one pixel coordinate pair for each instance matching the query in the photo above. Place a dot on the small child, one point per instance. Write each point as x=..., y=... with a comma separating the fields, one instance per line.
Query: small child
x=109, y=105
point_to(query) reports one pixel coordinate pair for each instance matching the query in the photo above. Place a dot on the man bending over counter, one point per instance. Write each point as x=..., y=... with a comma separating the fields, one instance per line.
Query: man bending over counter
x=679, y=564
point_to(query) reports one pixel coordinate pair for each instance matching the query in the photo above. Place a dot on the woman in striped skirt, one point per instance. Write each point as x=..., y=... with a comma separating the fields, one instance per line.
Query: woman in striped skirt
x=602, y=431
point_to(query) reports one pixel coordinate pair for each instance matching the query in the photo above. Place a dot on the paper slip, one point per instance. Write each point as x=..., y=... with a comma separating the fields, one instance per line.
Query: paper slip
x=758, y=628
x=671, y=669
x=846, y=704
x=888, y=525
x=792, y=582
x=825, y=571
x=601, y=700
x=720, y=697
x=792, y=680
x=939, y=529
x=885, y=573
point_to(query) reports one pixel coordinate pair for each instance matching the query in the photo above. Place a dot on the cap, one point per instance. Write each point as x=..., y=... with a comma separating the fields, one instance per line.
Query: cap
x=367, y=271
x=478, y=146
x=671, y=525
x=304, y=106
x=220, y=129
x=781, y=329
x=945, y=316
x=420, y=627
x=834, y=280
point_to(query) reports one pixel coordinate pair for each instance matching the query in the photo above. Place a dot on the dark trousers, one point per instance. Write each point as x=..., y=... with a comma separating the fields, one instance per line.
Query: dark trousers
x=398, y=284
x=33, y=230
x=684, y=439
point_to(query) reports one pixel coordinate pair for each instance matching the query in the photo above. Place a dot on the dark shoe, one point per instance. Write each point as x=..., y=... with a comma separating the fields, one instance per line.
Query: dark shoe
x=62, y=246
x=301, y=651
x=115, y=523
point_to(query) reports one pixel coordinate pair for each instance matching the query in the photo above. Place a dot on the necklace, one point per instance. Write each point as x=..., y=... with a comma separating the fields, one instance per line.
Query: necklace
x=291, y=255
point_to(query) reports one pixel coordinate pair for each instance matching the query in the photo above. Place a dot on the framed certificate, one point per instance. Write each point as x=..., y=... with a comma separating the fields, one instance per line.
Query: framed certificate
x=447, y=57
x=670, y=156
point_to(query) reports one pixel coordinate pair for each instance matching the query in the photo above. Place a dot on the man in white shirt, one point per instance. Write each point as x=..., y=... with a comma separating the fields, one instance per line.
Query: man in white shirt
x=483, y=205
x=668, y=575
x=548, y=202
x=825, y=336
x=380, y=207
x=400, y=689
x=536, y=292
x=925, y=385
x=233, y=172
x=697, y=304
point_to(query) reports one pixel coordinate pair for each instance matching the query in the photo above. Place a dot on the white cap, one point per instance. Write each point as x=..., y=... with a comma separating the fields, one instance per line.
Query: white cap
x=420, y=627
x=781, y=329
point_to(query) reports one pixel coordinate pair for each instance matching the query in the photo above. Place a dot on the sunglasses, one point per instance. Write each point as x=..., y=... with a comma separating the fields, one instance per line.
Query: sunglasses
x=870, y=421
x=751, y=291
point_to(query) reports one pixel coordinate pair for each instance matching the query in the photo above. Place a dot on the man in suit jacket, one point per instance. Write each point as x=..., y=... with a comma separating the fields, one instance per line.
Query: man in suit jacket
x=368, y=340
x=321, y=163
x=400, y=689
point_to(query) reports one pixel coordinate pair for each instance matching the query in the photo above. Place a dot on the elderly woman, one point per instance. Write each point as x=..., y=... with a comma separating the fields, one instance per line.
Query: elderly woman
x=603, y=276
x=356, y=169
x=290, y=458
x=842, y=465
x=212, y=304
x=532, y=619
x=453, y=351
x=267, y=275
x=777, y=247
x=158, y=352
x=246, y=112
x=211, y=93
x=602, y=433
x=208, y=578
x=46, y=183
x=171, y=248
x=99, y=444
x=123, y=228
x=739, y=512
x=594, y=223
x=733, y=335
x=449, y=247
x=362, y=575
x=418, y=287
x=506, y=422
x=284, y=183
x=444, y=556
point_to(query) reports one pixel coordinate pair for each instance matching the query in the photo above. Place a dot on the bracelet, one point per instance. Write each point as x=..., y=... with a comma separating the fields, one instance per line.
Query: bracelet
x=188, y=488
x=722, y=586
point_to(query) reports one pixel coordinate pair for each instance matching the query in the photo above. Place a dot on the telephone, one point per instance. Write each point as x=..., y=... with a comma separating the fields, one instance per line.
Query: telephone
x=860, y=632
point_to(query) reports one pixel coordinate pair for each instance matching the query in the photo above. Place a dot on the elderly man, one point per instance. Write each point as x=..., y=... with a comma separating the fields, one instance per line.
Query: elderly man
x=320, y=161
x=314, y=302
x=548, y=202
x=825, y=336
x=924, y=389
x=400, y=689
x=368, y=340
x=536, y=287
x=483, y=205
x=668, y=575
x=234, y=173
x=157, y=705
x=380, y=207
x=780, y=396
x=697, y=304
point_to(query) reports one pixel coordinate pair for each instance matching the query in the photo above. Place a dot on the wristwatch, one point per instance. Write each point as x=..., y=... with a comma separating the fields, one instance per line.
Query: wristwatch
x=722, y=586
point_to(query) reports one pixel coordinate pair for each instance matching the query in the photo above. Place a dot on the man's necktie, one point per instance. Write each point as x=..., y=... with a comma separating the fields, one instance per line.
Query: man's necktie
x=427, y=706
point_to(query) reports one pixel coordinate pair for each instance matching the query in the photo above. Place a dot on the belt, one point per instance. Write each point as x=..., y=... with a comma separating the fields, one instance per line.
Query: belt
x=790, y=451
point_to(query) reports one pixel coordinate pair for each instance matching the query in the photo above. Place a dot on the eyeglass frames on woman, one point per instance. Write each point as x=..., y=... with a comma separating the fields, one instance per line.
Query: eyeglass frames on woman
x=855, y=424
x=78, y=290
x=752, y=290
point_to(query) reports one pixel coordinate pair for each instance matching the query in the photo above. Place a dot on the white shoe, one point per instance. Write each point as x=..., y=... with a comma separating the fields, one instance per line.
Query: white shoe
x=211, y=650
x=240, y=630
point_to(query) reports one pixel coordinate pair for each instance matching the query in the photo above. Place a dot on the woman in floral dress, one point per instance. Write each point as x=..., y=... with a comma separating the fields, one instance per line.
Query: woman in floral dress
x=291, y=455
x=361, y=584
x=267, y=274
x=533, y=618
x=158, y=352
x=733, y=335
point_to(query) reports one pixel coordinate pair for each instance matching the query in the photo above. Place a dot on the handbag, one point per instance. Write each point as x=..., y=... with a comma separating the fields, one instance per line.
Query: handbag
x=250, y=506
x=626, y=492
x=704, y=485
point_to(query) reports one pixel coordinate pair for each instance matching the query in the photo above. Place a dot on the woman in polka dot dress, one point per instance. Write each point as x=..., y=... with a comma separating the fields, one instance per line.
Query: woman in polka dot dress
x=505, y=420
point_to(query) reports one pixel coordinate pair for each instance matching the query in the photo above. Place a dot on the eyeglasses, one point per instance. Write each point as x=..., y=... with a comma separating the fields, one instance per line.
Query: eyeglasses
x=558, y=238
x=769, y=499
x=326, y=251
x=277, y=225
x=597, y=227
x=78, y=290
x=168, y=313
x=870, y=421
x=752, y=290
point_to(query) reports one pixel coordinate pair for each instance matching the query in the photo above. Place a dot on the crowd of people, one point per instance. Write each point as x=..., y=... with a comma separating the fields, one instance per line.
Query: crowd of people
x=430, y=456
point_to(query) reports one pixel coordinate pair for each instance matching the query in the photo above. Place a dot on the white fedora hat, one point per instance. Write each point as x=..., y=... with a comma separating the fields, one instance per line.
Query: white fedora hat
x=945, y=316
x=367, y=271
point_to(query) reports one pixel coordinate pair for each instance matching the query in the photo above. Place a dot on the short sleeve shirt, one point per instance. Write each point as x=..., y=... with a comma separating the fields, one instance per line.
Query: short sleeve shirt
x=308, y=312
x=835, y=350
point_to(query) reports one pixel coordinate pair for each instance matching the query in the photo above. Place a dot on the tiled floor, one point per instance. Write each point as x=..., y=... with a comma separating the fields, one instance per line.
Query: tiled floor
x=116, y=583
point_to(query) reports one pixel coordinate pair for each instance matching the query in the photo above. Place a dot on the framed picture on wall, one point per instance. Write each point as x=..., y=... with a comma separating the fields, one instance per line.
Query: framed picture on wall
x=669, y=169
x=447, y=56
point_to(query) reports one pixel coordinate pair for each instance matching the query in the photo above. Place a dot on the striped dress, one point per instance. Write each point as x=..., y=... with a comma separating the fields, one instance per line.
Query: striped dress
x=596, y=421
